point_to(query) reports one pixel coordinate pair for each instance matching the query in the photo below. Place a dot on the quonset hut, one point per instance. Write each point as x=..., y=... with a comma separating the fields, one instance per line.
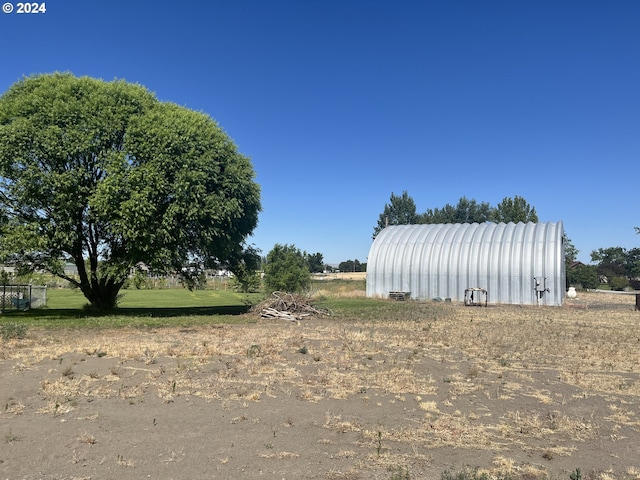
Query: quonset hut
x=516, y=263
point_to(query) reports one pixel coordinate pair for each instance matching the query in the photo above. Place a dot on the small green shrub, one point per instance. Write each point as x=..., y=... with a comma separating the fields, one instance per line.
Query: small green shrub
x=618, y=283
x=398, y=472
x=11, y=330
x=286, y=270
x=466, y=474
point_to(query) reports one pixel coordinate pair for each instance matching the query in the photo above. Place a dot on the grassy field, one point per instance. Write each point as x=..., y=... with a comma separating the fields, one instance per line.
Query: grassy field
x=66, y=309
x=67, y=298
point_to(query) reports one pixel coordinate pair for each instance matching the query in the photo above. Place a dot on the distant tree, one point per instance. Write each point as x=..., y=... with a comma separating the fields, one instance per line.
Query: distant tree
x=611, y=261
x=401, y=210
x=584, y=276
x=515, y=210
x=104, y=175
x=315, y=262
x=351, y=266
x=286, y=270
x=245, y=269
x=618, y=283
x=570, y=251
x=633, y=263
x=466, y=211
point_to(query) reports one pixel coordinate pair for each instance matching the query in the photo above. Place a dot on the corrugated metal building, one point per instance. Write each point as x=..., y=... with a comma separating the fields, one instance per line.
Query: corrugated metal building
x=442, y=261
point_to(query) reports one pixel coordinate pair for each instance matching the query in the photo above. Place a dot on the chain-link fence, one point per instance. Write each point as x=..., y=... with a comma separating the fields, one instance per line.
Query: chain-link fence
x=22, y=297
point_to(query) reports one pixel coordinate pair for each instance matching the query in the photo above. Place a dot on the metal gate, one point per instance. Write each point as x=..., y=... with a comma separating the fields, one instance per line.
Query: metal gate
x=15, y=297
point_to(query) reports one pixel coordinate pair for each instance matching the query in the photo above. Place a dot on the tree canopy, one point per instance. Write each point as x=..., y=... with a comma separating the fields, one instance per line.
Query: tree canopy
x=515, y=210
x=402, y=211
x=286, y=269
x=104, y=175
x=617, y=262
x=315, y=262
x=466, y=211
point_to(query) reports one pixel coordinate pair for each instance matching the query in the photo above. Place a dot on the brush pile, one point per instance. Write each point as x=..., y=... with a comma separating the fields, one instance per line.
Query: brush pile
x=288, y=306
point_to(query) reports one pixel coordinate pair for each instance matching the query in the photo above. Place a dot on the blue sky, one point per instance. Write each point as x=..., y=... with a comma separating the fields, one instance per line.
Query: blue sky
x=340, y=103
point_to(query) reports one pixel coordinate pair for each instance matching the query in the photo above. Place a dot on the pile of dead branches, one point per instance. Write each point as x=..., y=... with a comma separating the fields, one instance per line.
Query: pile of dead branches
x=288, y=306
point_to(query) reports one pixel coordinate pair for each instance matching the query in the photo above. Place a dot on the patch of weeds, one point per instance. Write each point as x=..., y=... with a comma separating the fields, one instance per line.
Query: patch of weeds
x=465, y=474
x=575, y=475
x=11, y=437
x=503, y=362
x=398, y=472
x=379, y=443
x=68, y=372
x=122, y=461
x=473, y=372
x=87, y=438
x=253, y=351
x=303, y=350
x=13, y=330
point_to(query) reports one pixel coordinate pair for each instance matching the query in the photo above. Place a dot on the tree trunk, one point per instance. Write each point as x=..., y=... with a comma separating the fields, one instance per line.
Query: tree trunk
x=102, y=293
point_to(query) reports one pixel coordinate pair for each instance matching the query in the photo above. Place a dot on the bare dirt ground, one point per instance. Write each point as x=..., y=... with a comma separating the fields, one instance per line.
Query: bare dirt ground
x=521, y=391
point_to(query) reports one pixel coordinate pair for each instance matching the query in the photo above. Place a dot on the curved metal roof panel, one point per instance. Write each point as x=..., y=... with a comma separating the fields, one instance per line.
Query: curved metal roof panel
x=432, y=261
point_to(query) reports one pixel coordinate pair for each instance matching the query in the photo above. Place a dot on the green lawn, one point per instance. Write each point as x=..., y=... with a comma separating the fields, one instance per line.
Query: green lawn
x=166, y=298
x=139, y=308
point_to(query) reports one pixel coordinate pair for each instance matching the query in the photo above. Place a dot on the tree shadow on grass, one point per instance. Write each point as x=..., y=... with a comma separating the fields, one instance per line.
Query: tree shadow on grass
x=158, y=312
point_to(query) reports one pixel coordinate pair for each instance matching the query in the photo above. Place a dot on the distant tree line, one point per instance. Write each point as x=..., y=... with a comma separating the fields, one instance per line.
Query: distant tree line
x=617, y=267
x=402, y=210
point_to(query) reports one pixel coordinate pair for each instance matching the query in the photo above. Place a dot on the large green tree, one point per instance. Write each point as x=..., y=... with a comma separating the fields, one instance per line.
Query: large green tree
x=611, y=261
x=515, y=210
x=466, y=211
x=401, y=210
x=286, y=269
x=315, y=262
x=104, y=175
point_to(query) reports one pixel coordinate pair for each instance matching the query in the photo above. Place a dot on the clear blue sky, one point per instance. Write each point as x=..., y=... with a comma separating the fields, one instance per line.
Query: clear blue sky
x=339, y=103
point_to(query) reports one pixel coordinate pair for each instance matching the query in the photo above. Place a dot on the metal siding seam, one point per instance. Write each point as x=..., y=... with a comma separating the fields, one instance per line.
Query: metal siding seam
x=436, y=252
x=475, y=256
x=527, y=261
x=420, y=287
x=445, y=260
x=514, y=263
x=396, y=260
x=464, y=264
x=456, y=275
x=538, y=266
x=503, y=281
x=433, y=261
x=412, y=283
x=493, y=260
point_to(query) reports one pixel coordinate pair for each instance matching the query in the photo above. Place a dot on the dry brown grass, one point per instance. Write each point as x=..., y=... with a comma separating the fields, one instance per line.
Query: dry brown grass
x=525, y=391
